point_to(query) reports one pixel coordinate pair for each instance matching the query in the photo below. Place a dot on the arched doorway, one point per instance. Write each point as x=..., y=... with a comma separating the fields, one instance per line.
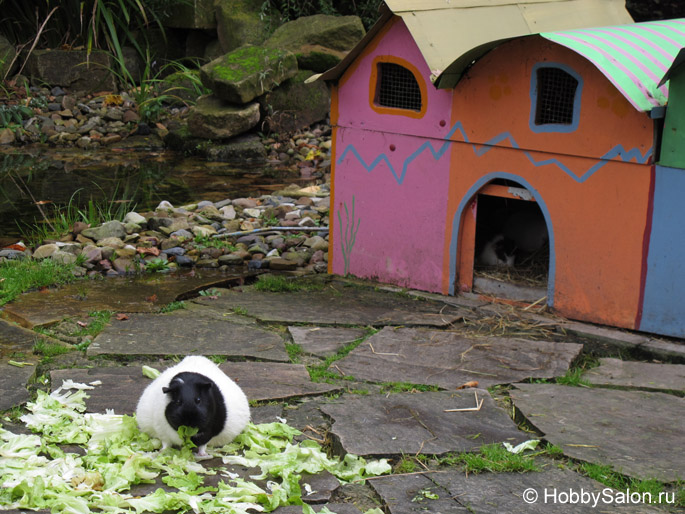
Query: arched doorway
x=502, y=241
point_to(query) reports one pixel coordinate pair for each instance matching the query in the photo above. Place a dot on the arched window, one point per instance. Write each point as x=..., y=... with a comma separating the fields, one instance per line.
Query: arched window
x=555, y=99
x=397, y=88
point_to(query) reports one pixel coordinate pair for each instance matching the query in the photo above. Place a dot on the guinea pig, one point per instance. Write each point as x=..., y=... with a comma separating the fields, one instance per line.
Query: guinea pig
x=193, y=393
x=498, y=251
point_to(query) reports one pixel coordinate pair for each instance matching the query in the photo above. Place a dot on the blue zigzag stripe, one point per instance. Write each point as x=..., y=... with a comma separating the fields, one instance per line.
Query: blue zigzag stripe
x=483, y=148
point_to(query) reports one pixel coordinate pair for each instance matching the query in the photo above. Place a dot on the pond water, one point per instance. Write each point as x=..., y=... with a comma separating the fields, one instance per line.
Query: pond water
x=35, y=183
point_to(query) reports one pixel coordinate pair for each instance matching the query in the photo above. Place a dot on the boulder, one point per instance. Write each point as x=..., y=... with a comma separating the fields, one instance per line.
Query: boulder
x=318, y=41
x=181, y=87
x=244, y=74
x=295, y=105
x=243, y=150
x=241, y=22
x=212, y=118
x=7, y=55
x=108, y=229
x=74, y=69
x=192, y=14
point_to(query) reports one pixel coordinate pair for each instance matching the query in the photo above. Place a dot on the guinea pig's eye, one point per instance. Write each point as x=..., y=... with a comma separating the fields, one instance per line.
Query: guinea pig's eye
x=198, y=400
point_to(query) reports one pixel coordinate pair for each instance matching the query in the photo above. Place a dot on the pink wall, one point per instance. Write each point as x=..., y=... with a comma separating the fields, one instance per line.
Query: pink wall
x=395, y=181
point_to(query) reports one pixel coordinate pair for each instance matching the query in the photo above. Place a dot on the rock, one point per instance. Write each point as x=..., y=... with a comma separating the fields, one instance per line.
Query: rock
x=203, y=231
x=63, y=257
x=108, y=229
x=246, y=149
x=123, y=265
x=184, y=260
x=135, y=218
x=232, y=259
x=111, y=242
x=212, y=118
x=228, y=212
x=67, y=68
x=245, y=203
x=7, y=55
x=248, y=72
x=240, y=22
x=44, y=251
x=6, y=136
x=279, y=263
x=295, y=105
x=155, y=223
x=320, y=41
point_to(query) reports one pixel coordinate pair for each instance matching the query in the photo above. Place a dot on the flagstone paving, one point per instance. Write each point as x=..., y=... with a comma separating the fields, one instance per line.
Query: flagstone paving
x=122, y=386
x=410, y=423
x=449, y=358
x=148, y=294
x=324, y=341
x=644, y=375
x=337, y=304
x=198, y=331
x=640, y=433
x=533, y=492
x=420, y=341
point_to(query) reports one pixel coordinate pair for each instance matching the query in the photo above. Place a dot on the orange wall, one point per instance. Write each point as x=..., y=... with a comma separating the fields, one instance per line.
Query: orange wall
x=598, y=220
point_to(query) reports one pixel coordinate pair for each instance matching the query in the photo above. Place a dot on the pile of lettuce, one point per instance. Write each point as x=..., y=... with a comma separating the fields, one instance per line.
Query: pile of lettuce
x=110, y=455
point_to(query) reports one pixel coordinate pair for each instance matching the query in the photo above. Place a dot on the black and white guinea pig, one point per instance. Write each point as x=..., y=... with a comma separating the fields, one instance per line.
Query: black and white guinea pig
x=193, y=393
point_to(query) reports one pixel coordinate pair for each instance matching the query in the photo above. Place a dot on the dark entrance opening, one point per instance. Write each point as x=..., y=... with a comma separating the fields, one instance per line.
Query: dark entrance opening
x=512, y=242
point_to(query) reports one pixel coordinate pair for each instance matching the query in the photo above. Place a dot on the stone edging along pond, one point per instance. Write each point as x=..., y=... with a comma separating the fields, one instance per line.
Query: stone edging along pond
x=286, y=231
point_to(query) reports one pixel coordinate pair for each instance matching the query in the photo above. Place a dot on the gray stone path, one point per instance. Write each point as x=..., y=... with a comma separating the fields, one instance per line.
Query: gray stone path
x=498, y=493
x=122, y=386
x=420, y=341
x=640, y=433
x=410, y=423
x=130, y=295
x=644, y=375
x=449, y=359
x=337, y=304
x=187, y=332
x=324, y=341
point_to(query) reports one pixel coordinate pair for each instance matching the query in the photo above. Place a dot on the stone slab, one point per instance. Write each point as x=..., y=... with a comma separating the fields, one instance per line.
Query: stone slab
x=14, y=338
x=449, y=359
x=644, y=375
x=122, y=386
x=187, y=332
x=146, y=293
x=673, y=350
x=266, y=381
x=636, y=432
x=338, y=304
x=404, y=423
x=324, y=341
x=499, y=492
x=338, y=508
x=13, y=382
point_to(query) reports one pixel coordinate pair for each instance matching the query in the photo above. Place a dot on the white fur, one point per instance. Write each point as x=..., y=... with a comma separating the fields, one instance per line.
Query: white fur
x=488, y=256
x=153, y=402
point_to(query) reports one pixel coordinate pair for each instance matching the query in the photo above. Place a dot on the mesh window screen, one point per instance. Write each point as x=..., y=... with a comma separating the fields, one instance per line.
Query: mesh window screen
x=398, y=87
x=556, y=92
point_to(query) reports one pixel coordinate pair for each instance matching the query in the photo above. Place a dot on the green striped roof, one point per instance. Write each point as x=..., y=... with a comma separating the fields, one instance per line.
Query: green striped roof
x=633, y=57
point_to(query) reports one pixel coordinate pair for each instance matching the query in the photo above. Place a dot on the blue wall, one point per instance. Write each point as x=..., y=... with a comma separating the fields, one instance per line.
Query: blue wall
x=664, y=296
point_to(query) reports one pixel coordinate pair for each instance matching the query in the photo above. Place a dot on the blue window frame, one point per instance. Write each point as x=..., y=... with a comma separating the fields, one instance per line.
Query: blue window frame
x=555, y=93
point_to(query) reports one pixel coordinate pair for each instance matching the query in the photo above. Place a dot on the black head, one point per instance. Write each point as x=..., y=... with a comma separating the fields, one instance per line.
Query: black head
x=505, y=249
x=195, y=401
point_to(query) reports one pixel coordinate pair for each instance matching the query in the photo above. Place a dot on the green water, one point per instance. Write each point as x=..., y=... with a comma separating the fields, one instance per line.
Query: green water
x=35, y=182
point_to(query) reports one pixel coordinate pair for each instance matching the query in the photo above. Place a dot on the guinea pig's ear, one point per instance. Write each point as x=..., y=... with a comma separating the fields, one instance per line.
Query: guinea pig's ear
x=174, y=385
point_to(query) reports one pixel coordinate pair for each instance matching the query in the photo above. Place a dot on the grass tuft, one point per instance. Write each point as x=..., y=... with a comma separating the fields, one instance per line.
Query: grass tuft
x=23, y=275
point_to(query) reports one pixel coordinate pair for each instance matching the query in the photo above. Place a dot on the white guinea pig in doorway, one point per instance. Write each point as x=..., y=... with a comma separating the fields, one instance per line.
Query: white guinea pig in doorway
x=193, y=393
